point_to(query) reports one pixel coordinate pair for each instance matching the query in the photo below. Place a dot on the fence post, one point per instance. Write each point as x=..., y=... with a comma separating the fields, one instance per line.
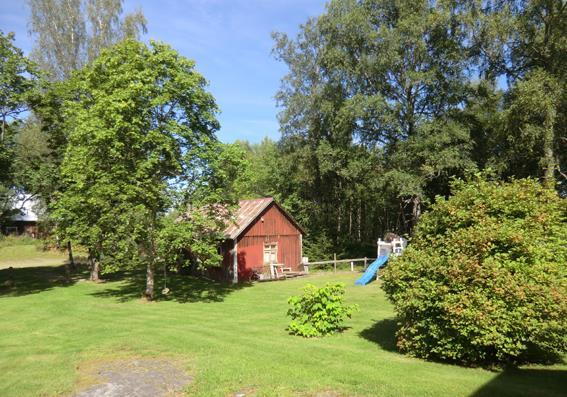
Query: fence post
x=335, y=262
x=352, y=266
x=365, y=263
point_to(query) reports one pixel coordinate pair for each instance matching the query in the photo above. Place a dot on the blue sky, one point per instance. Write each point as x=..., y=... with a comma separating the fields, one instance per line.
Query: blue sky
x=230, y=42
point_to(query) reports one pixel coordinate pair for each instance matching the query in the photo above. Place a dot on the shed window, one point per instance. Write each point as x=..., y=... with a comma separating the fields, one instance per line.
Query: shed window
x=270, y=253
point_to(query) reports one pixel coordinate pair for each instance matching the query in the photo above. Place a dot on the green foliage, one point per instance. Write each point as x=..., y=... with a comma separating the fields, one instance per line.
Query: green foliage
x=260, y=176
x=368, y=115
x=70, y=34
x=35, y=162
x=483, y=280
x=225, y=172
x=191, y=239
x=386, y=100
x=319, y=311
x=191, y=235
x=140, y=131
x=318, y=247
x=532, y=119
x=18, y=79
x=524, y=41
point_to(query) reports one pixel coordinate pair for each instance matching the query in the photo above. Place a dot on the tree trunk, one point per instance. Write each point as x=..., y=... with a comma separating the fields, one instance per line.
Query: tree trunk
x=360, y=220
x=549, y=176
x=549, y=164
x=150, y=254
x=3, y=128
x=416, y=210
x=71, y=258
x=339, y=212
x=149, y=294
x=404, y=223
x=95, y=268
x=350, y=219
x=67, y=272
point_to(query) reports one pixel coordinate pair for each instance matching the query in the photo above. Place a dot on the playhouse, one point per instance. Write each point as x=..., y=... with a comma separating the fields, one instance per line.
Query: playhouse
x=392, y=246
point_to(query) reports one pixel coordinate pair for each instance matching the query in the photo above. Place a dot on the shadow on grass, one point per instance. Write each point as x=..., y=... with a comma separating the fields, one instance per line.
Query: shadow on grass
x=509, y=382
x=32, y=280
x=182, y=288
x=526, y=382
x=383, y=333
x=129, y=286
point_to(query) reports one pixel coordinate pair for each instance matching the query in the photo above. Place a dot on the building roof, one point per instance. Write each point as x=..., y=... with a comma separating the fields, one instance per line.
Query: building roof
x=25, y=205
x=248, y=211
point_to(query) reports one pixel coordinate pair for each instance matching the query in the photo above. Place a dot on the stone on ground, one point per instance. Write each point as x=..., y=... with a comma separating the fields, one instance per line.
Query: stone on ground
x=142, y=377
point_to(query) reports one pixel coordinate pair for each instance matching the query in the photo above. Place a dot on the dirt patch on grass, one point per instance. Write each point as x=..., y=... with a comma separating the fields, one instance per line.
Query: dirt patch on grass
x=135, y=377
x=245, y=392
x=327, y=393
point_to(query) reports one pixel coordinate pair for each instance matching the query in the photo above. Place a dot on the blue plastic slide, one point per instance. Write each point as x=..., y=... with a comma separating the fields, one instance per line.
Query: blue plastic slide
x=372, y=269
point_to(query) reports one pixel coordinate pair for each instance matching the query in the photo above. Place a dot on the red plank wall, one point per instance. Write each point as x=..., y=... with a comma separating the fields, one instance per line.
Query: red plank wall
x=270, y=227
x=223, y=272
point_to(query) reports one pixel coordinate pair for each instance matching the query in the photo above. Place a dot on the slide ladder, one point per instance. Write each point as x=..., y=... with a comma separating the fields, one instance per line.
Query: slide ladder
x=370, y=273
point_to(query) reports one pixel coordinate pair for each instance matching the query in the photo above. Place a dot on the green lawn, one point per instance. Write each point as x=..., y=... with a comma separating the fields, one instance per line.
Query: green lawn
x=229, y=339
x=26, y=252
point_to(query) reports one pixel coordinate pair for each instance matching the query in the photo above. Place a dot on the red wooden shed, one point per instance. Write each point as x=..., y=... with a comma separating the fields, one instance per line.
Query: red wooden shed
x=263, y=233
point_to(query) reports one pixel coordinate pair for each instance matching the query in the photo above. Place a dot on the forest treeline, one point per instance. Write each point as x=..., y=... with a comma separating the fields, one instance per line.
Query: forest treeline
x=385, y=101
x=383, y=104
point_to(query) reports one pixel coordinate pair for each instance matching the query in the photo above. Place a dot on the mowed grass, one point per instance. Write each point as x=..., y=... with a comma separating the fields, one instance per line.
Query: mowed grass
x=229, y=339
x=25, y=252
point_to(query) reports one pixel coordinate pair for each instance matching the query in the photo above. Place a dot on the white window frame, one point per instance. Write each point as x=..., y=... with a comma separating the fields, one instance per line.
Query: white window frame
x=268, y=248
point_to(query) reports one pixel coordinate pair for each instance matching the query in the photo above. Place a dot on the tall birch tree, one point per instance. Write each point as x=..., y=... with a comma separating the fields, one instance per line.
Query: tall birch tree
x=70, y=34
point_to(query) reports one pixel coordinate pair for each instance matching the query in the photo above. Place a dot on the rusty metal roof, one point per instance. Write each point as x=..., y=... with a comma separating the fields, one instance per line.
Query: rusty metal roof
x=248, y=210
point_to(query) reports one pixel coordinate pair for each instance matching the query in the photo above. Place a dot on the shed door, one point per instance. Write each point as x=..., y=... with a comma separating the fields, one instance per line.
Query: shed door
x=270, y=253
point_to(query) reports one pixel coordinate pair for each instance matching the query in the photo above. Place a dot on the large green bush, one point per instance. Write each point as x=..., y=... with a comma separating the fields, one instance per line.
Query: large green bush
x=319, y=311
x=484, y=279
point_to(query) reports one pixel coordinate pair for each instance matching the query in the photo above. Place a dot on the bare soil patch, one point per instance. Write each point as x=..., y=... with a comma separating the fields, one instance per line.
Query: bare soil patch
x=246, y=392
x=327, y=393
x=138, y=377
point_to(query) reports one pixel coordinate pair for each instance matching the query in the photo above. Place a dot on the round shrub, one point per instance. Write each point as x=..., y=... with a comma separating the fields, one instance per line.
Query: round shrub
x=484, y=280
x=319, y=311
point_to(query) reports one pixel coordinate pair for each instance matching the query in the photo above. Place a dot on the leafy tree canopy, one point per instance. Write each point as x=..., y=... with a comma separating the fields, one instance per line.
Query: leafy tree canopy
x=18, y=79
x=140, y=130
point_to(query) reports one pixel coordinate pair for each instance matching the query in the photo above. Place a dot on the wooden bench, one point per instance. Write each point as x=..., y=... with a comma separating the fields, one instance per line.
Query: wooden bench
x=289, y=272
x=280, y=271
